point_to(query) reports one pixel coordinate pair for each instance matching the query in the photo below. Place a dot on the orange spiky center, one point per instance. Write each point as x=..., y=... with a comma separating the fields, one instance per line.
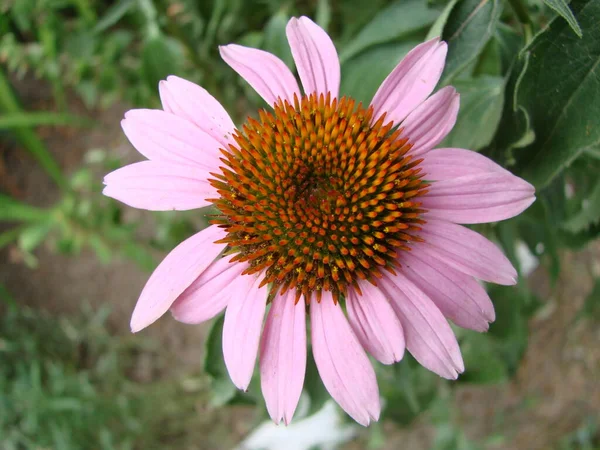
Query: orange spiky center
x=317, y=197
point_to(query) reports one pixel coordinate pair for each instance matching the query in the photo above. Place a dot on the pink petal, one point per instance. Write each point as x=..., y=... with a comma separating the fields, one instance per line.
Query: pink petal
x=315, y=56
x=450, y=163
x=162, y=136
x=241, y=330
x=487, y=197
x=411, y=82
x=265, y=72
x=429, y=338
x=375, y=323
x=283, y=356
x=209, y=294
x=458, y=296
x=160, y=186
x=431, y=121
x=466, y=251
x=342, y=363
x=193, y=103
x=174, y=274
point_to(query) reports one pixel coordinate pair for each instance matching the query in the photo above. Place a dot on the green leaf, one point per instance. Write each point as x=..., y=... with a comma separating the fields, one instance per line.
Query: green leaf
x=438, y=26
x=400, y=19
x=470, y=25
x=561, y=7
x=214, y=365
x=113, y=15
x=509, y=44
x=561, y=92
x=33, y=235
x=12, y=210
x=34, y=119
x=27, y=137
x=161, y=57
x=274, y=39
x=481, y=103
x=364, y=73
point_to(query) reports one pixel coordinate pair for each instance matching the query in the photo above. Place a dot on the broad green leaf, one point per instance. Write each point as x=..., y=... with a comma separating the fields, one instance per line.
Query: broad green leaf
x=214, y=365
x=364, y=73
x=509, y=44
x=470, y=25
x=514, y=130
x=481, y=103
x=562, y=8
x=34, y=119
x=161, y=56
x=560, y=89
x=275, y=41
x=399, y=19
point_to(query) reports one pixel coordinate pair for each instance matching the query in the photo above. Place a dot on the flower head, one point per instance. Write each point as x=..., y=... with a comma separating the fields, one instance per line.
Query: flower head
x=322, y=202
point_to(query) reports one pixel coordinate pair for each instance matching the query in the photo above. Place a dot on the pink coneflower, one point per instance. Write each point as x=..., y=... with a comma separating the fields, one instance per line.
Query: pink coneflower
x=322, y=202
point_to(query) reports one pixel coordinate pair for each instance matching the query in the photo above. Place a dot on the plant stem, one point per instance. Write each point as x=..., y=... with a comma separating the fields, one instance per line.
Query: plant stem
x=522, y=14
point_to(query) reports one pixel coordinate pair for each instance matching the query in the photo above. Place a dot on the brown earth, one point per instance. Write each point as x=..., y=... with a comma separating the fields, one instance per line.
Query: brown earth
x=555, y=390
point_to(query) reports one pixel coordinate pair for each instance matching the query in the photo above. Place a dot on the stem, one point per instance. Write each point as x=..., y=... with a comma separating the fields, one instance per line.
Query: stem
x=522, y=14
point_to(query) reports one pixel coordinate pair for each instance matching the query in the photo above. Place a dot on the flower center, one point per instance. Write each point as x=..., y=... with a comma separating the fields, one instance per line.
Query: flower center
x=317, y=197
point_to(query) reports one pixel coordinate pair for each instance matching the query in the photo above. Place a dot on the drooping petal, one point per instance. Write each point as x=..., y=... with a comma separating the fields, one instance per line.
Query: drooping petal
x=431, y=121
x=342, y=363
x=466, y=251
x=429, y=337
x=160, y=186
x=241, y=330
x=449, y=163
x=315, y=56
x=411, y=82
x=265, y=72
x=481, y=198
x=174, y=274
x=193, y=103
x=375, y=323
x=209, y=294
x=283, y=356
x=458, y=296
x=162, y=136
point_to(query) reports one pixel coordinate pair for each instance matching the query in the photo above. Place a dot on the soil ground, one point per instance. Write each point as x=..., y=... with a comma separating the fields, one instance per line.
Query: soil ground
x=554, y=392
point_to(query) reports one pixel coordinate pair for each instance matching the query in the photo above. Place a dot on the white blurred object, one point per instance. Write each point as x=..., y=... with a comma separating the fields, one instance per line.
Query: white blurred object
x=324, y=429
x=527, y=260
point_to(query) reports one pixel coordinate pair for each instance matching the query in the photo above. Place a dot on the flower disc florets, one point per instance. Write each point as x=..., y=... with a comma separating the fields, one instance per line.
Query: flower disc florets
x=317, y=196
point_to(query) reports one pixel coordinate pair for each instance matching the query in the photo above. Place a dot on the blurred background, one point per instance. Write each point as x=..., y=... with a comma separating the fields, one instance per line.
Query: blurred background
x=72, y=262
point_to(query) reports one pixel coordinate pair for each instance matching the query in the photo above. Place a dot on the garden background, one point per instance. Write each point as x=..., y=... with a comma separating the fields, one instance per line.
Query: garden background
x=73, y=262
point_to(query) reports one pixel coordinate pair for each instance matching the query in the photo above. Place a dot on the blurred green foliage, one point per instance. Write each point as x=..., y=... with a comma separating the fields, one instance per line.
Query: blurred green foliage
x=68, y=384
x=529, y=84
